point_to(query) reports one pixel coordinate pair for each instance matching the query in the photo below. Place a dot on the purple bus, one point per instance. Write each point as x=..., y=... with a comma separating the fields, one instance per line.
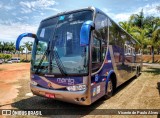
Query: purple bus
x=81, y=56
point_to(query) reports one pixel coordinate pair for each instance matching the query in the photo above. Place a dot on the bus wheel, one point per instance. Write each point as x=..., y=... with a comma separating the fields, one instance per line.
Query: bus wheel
x=137, y=72
x=109, y=91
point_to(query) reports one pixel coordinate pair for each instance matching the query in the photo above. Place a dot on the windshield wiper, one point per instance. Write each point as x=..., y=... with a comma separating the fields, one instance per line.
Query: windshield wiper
x=45, y=53
x=59, y=63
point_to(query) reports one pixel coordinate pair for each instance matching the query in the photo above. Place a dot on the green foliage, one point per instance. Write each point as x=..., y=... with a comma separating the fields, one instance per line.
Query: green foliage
x=28, y=45
x=145, y=29
x=7, y=48
x=5, y=56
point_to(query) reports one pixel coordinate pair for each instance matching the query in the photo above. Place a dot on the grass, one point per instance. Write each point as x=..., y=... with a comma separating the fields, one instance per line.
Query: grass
x=155, y=71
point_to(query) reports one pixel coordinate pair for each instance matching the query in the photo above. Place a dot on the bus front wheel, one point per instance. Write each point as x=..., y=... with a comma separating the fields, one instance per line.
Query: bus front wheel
x=109, y=89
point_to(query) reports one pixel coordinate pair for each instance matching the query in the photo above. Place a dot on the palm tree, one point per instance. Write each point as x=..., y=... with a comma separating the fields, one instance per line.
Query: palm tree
x=141, y=36
x=125, y=25
x=128, y=27
x=21, y=49
x=155, y=38
x=1, y=46
x=11, y=47
x=137, y=19
x=153, y=26
x=5, y=47
x=28, y=46
x=145, y=29
x=158, y=8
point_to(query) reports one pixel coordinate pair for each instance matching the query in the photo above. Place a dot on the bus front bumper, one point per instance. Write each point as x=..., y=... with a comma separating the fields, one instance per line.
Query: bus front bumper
x=78, y=97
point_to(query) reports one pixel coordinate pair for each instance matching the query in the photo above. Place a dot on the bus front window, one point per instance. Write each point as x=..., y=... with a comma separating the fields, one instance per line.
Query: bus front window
x=58, y=50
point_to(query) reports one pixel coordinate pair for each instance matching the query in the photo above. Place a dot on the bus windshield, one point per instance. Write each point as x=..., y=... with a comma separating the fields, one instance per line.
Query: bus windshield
x=58, y=49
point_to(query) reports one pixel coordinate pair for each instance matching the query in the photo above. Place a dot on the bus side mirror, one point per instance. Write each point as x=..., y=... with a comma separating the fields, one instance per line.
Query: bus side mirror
x=85, y=32
x=24, y=35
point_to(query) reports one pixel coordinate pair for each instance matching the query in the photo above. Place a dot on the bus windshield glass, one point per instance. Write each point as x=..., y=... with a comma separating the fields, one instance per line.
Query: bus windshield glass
x=58, y=49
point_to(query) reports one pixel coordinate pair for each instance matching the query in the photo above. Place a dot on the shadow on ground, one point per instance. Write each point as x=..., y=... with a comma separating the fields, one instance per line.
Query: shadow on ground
x=125, y=84
x=158, y=87
x=155, y=71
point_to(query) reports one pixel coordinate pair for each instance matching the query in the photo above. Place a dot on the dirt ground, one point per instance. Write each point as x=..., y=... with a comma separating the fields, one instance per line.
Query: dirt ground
x=10, y=74
x=148, y=58
x=138, y=93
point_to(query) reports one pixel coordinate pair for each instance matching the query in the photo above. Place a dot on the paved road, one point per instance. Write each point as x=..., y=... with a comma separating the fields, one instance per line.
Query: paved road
x=138, y=93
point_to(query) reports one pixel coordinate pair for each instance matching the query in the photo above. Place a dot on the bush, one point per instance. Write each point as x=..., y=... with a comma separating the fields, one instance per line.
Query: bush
x=5, y=56
x=23, y=60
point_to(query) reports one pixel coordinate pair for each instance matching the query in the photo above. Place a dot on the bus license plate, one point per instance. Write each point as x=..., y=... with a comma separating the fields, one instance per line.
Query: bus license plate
x=49, y=95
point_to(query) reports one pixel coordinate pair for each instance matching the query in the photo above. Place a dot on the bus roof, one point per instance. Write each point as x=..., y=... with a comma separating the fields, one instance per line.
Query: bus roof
x=67, y=12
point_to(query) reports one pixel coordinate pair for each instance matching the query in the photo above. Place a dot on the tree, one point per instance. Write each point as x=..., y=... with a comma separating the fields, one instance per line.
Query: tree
x=21, y=49
x=5, y=56
x=141, y=36
x=5, y=47
x=145, y=30
x=153, y=26
x=28, y=46
x=137, y=19
x=126, y=25
x=155, y=38
x=11, y=47
x=1, y=46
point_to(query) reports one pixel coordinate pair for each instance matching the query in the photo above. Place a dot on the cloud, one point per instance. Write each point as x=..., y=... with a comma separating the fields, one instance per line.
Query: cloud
x=24, y=10
x=147, y=9
x=1, y=5
x=150, y=9
x=117, y=17
x=14, y=14
x=6, y=7
x=22, y=18
x=28, y=6
x=10, y=30
x=122, y=16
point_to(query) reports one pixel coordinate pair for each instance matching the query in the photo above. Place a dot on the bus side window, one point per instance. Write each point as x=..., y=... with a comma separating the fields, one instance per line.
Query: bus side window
x=96, y=51
x=99, y=45
x=96, y=55
x=104, y=50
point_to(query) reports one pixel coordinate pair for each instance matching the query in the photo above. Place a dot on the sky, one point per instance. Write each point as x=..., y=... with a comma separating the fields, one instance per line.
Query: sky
x=21, y=16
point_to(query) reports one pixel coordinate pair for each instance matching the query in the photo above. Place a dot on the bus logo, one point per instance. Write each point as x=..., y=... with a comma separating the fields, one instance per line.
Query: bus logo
x=67, y=81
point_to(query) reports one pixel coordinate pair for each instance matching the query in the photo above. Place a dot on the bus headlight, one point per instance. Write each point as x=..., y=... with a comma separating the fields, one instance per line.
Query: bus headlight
x=80, y=87
x=34, y=83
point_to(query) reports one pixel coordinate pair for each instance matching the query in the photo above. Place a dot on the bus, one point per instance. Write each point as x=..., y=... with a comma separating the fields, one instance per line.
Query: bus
x=80, y=56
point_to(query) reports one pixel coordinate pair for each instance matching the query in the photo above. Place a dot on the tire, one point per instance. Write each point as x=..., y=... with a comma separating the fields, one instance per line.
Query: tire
x=140, y=70
x=137, y=71
x=109, y=90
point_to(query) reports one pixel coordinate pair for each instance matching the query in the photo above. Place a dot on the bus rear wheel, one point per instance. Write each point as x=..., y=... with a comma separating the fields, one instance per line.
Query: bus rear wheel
x=138, y=71
x=109, y=90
